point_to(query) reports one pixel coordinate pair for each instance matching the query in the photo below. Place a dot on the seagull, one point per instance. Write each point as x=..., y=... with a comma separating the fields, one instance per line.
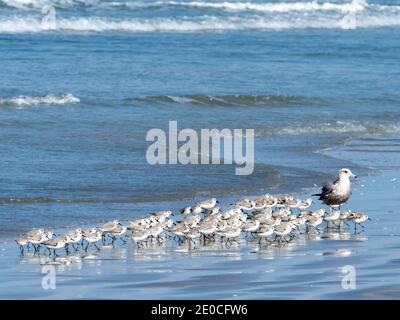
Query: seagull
x=337, y=192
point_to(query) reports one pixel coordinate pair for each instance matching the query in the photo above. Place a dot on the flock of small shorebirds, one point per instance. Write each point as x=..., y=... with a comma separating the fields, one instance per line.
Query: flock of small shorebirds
x=267, y=219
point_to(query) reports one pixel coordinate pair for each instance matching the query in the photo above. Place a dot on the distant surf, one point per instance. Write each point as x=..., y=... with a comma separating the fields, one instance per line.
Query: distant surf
x=24, y=16
x=231, y=100
x=50, y=99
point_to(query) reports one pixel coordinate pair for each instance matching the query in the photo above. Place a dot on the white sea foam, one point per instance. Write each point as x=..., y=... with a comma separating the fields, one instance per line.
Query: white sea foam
x=338, y=127
x=354, y=5
x=50, y=99
x=264, y=16
x=202, y=24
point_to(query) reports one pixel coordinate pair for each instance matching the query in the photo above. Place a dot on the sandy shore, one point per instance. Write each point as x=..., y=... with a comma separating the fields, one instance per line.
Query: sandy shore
x=308, y=268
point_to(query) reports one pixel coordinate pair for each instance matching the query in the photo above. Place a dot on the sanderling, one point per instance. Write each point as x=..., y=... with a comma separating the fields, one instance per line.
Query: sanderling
x=118, y=231
x=207, y=230
x=196, y=210
x=73, y=237
x=337, y=192
x=161, y=216
x=283, y=229
x=192, y=221
x=156, y=231
x=264, y=232
x=251, y=226
x=244, y=204
x=213, y=211
x=138, y=224
x=313, y=222
x=230, y=213
x=304, y=204
x=262, y=215
x=234, y=222
x=331, y=217
x=180, y=230
x=283, y=212
x=22, y=241
x=291, y=202
x=315, y=213
x=230, y=235
x=185, y=211
x=107, y=227
x=192, y=235
x=270, y=201
x=140, y=236
x=54, y=245
x=208, y=204
x=358, y=218
x=260, y=203
x=36, y=239
x=92, y=235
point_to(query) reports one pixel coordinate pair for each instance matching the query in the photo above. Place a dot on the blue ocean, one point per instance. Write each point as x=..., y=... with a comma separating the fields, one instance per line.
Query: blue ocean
x=82, y=82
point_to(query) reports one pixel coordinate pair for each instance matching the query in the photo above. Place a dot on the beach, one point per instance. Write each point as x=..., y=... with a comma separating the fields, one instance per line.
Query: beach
x=82, y=83
x=304, y=269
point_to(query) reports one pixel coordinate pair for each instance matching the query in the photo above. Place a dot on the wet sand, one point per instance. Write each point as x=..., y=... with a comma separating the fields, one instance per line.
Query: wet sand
x=307, y=268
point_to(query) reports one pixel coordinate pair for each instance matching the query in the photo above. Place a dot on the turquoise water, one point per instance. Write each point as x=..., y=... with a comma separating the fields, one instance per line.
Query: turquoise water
x=77, y=98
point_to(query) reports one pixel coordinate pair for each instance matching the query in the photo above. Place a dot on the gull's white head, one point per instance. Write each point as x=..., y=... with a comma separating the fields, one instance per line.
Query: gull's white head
x=346, y=173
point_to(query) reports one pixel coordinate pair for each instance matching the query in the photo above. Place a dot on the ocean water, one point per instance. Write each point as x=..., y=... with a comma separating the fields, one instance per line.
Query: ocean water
x=78, y=96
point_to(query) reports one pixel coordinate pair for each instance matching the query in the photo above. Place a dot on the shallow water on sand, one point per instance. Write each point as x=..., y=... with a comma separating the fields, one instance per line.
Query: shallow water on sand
x=317, y=82
x=308, y=267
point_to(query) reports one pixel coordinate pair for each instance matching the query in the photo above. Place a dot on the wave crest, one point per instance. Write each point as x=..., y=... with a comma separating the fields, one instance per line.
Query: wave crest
x=231, y=100
x=367, y=127
x=245, y=16
x=50, y=99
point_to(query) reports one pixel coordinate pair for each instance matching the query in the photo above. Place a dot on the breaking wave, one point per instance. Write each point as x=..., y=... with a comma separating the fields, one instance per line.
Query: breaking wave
x=232, y=100
x=367, y=127
x=50, y=99
x=194, y=18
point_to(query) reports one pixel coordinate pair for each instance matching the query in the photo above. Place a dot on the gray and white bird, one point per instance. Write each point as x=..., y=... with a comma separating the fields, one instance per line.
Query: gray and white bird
x=337, y=192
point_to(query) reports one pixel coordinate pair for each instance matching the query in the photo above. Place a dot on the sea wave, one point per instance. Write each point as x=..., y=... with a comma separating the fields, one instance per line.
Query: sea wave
x=50, y=99
x=18, y=24
x=355, y=5
x=364, y=127
x=231, y=100
x=256, y=16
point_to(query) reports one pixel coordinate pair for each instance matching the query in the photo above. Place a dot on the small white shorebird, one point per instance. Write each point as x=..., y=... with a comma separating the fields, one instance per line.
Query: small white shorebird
x=208, y=204
x=92, y=235
x=186, y=210
x=107, y=228
x=358, y=218
x=73, y=237
x=118, y=231
x=332, y=217
x=140, y=236
x=24, y=239
x=36, y=239
x=54, y=245
x=337, y=192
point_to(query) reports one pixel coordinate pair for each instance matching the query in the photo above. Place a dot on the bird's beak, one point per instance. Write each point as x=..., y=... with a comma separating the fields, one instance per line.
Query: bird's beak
x=354, y=176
